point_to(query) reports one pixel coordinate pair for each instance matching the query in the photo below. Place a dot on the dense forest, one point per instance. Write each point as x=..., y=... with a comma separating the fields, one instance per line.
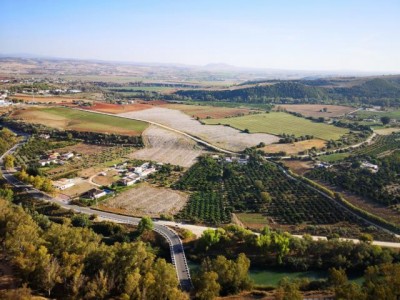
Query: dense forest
x=377, y=91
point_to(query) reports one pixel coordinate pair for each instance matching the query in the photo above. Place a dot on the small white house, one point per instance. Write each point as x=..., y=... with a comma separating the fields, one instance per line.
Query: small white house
x=366, y=165
x=127, y=181
x=63, y=184
x=67, y=155
x=95, y=193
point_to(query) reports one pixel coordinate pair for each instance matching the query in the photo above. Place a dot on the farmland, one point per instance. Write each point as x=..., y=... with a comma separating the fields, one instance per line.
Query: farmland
x=278, y=123
x=165, y=146
x=222, y=136
x=294, y=148
x=393, y=114
x=69, y=119
x=145, y=200
x=381, y=144
x=117, y=108
x=257, y=188
x=58, y=99
x=209, y=112
x=317, y=110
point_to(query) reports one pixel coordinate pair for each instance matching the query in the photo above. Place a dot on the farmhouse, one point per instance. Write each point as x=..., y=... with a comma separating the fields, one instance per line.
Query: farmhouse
x=94, y=194
x=147, y=172
x=67, y=155
x=54, y=155
x=366, y=165
x=46, y=162
x=127, y=181
x=63, y=184
x=323, y=165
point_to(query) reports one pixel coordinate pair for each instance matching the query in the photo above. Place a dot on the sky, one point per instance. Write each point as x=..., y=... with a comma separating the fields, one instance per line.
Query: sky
x=329, y=35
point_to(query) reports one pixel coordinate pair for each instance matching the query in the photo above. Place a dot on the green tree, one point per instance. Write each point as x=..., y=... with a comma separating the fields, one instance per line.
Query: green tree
x=206, y=286
x=145, y=224
x=288, y=290
x=81, y=220
x=9, y=161
x=6, y=194
x=385, y=120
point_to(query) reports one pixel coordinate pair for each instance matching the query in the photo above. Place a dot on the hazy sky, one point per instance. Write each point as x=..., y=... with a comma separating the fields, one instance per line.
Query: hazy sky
x=297, y=34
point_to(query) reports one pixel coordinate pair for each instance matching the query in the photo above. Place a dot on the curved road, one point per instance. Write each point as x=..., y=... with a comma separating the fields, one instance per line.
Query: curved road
x=177, y=251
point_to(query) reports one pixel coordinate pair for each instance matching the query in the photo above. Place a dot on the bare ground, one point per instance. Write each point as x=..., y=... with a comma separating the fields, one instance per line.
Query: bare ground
x=147, y=200
x=222, y=136
x=165, y=146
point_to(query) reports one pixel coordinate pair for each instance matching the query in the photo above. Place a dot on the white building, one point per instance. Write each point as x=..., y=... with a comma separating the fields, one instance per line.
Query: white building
x=366, y=165
x=63, y=184
x=67, y=155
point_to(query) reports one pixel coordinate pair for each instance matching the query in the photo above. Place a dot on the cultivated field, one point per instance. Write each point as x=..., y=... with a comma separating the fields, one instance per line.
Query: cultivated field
x=205, y=111
x=316, y=110
x=279, y=123
x=68, y=119
x=147, y=200
x=386, y=131
x=294, y=148
x=165, y=146
x=393, y=114
x=222, y=136
x=118, y=108
x=58, y=99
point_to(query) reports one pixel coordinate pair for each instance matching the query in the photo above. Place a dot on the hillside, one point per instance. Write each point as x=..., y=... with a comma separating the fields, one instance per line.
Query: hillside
x=371, y=91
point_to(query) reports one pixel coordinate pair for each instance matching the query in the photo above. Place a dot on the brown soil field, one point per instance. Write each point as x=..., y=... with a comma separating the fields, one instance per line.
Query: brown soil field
x=294, y=148
x=203, y=112
x=165, y=146
x=145, y=200
x=117, y=108
x=81, y=186
x=219, y=135
x=314, y=110
x=298, y=166
x=106, y=180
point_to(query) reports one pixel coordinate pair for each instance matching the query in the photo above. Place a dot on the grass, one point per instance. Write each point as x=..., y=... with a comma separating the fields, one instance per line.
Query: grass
x=82, y=121
x=394, y=114
x=252, y=218
x=278, y=123
x=333, y=157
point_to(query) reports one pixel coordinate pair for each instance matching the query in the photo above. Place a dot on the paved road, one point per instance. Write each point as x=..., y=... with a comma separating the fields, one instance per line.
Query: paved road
x=177, y=252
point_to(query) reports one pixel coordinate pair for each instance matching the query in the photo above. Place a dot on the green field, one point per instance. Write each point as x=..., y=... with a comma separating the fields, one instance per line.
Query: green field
x=70, y=119
x=394, y=114
x=278, y=123
x=333, y=157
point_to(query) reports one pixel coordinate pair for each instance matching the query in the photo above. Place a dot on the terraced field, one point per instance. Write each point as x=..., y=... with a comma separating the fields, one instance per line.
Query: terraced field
x=69, y=119
x=278, y=123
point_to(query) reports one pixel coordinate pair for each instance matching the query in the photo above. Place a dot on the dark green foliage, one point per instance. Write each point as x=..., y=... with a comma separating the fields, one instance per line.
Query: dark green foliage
x=352, y=177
